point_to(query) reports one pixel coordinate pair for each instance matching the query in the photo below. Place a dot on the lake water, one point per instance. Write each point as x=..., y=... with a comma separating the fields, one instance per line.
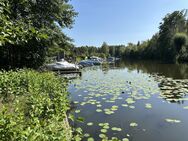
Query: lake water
x=135, y=101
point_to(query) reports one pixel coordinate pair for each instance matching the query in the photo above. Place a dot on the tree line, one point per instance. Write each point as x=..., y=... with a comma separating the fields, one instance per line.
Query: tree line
x=104, y=51
x=170, y=44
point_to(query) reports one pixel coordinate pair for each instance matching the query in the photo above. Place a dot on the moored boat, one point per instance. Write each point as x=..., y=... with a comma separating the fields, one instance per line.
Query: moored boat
x=62, y=65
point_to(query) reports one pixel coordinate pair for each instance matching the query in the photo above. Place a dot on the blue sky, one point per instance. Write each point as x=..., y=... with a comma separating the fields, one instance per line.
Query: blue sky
x=119, y=21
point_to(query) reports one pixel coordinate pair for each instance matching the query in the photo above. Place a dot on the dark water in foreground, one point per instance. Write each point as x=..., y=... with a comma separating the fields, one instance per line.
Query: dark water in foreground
x=135, y=101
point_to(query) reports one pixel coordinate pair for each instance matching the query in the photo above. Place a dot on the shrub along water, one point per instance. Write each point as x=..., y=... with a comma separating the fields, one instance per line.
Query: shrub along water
x=33, y=106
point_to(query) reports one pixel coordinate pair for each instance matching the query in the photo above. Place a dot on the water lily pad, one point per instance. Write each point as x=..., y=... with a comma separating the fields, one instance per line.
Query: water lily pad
x=76, y=102
x=132, y=107
x=110, y=101
x=109, y=112
x=102, y=136
x=98, y=110
x=101, y=124
x=77, y=111
x=125, y=139
x=86, y=135
x=83, y=103
x=114, y=108
x=116, y=129
x=90, y=139
x=103, y=130
x=106, y=123
x=172, y=120
x=114, y=139
x=130, y=101
x=106, y=127
x=89, y=124
x=148, y=105
x=124, y=105
x=99, y=105
x=133, y=124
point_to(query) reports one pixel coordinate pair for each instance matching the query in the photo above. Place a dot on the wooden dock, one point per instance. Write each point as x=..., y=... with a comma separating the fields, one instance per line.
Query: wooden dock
x=68, y=72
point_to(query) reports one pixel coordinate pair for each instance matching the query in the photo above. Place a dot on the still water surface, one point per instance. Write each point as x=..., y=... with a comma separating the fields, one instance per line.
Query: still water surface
x=135, y=101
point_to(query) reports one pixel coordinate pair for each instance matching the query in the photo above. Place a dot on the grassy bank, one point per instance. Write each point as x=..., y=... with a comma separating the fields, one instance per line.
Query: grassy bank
x=33, y=106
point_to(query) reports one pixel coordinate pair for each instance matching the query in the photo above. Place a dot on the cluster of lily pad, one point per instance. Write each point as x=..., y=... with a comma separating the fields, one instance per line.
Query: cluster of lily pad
x=104, y=129
x=99, y=89
x=173, y=90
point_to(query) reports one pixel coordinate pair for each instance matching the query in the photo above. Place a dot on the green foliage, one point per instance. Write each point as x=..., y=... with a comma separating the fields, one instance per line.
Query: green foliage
x=172, y=23
x=105, y=49
x=33, y=107
x=80, y=58
x=166, y=44
x=101, y=55
x=86, y=51
x=29, y=27
x=42, y=13
x=180, y=39
x=116, y=50
x=58, y=42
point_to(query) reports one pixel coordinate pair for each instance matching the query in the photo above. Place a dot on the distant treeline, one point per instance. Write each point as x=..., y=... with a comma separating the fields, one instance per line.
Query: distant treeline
x=104, y=51
x=170, y=44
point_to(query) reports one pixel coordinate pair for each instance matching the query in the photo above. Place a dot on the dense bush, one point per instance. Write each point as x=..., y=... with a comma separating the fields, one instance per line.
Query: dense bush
x=180, y=39
x=33, y=106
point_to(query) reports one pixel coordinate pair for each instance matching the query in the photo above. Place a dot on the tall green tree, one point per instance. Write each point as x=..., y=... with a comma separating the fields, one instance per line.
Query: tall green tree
x=105, y=48
x=29, y=27
x=172, y=23
x=180, y=40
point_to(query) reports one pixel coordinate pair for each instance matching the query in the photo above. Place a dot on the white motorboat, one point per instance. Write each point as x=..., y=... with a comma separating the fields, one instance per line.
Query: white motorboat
x=62, y=65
